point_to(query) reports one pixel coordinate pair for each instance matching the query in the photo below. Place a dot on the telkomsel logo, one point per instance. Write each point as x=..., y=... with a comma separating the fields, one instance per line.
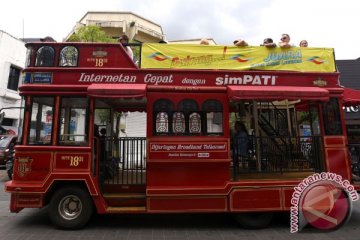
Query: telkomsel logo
x=323, y=200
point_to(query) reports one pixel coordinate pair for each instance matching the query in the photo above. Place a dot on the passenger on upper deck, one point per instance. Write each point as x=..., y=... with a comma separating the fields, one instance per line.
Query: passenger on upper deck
x=204, y=41
x=269, y=43
x=285, y=41
x=47, y=39
x=124, y=39
x=303, y=43
x=240, y=43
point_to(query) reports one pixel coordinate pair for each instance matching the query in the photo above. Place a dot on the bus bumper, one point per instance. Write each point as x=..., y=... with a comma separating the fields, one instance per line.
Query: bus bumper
x=21, y=199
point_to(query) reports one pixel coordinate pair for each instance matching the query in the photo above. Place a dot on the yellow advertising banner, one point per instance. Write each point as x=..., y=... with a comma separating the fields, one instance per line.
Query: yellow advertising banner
x=195, y=56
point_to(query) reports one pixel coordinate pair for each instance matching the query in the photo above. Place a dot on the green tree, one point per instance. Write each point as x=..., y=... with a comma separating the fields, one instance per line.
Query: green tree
x=90, y=34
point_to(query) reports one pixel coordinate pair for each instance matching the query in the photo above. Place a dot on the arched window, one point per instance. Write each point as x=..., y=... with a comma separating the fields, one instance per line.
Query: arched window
x=162, y=122
x=214, y=116
x=69, y=56
x=162, y=107
x=190, y=110
x=45, y=57
x=212, y=105
x=195, y=123
x=178, y=122
x=188, y=105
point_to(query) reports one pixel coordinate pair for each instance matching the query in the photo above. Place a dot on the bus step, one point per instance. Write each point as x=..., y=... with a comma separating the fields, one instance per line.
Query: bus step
x=118, y=188
x=125, y=199
x=126, y=209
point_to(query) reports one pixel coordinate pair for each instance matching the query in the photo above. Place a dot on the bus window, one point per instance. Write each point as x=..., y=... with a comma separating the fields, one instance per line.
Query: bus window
x=195, y=123
x=68, y=56
x=162, y=122
x=192, y=119
x=45, y=57
x=29, y=53
x=73, y=121
x=41, y=120
x=21, y=121
x=331, y=115
x=214, y=116
x=178, y=123
x=162, y=108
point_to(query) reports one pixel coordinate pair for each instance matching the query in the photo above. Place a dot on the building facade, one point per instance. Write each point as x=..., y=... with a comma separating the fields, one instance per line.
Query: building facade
x=115, y=24
x=349, y=77
x=12, y=61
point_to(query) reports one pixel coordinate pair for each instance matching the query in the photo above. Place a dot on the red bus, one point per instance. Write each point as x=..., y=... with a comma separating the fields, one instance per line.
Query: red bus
x=101, y=133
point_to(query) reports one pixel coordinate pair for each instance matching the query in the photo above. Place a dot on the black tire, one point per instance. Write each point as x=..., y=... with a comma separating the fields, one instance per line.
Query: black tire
x=254, y=220
x=70, y=208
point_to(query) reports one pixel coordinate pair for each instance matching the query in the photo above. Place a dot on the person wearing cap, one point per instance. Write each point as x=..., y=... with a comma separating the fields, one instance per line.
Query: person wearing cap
x=269, y=43
x=47, y=39
x=240, y=43
x=124, y=40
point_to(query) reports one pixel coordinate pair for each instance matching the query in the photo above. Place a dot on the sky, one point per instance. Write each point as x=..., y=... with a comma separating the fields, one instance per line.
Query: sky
x=323, y=23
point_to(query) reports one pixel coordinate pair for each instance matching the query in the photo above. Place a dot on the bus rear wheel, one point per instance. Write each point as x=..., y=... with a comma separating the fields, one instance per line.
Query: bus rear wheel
x=254, y=220
x=70, y=208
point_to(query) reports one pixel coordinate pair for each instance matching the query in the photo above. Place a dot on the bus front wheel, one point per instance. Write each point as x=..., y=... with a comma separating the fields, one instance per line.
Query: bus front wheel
x=254, y=220
x=70, y=208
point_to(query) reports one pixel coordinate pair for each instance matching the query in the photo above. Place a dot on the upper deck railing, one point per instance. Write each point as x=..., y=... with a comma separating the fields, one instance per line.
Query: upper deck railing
x=180, y=67
x=181, y=56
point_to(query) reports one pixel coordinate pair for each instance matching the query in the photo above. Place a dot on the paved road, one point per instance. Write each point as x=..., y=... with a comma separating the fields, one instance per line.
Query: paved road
x=33, y=224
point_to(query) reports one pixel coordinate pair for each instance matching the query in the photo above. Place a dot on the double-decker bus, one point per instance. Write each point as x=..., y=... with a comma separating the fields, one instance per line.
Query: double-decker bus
x=103, y=132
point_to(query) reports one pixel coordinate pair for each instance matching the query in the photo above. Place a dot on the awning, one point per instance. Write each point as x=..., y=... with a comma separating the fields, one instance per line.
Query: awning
x=351, y=97
x=277, y=93
x=117, y=90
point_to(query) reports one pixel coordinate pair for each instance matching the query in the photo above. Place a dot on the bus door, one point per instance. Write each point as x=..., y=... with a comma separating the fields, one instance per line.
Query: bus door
x=335, y=141
x=120, y=135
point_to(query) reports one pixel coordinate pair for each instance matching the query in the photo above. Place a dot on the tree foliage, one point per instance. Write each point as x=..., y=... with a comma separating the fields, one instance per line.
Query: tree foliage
x=90, y=34
x=103, y=114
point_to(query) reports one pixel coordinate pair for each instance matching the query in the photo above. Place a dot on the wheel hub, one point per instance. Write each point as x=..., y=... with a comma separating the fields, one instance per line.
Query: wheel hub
x=70, y=207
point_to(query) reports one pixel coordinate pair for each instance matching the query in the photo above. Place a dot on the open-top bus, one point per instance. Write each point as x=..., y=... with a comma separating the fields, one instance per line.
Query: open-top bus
x=167, y=142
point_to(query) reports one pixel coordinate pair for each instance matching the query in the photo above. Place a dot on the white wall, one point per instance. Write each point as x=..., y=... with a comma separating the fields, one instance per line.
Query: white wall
x=12, y=52
x=135, y=124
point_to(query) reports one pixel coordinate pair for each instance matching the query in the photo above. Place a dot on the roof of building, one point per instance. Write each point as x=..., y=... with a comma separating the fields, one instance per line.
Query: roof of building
x=27, y=40
x=105, y=12
x=2, y=31
x=349, y=73
x=44, y=39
